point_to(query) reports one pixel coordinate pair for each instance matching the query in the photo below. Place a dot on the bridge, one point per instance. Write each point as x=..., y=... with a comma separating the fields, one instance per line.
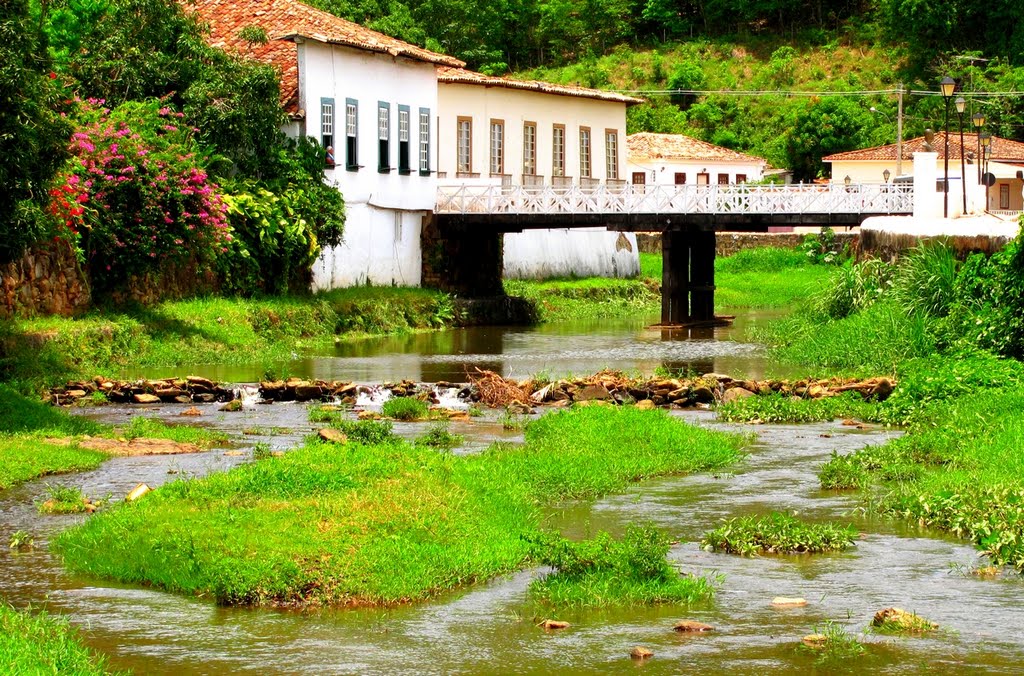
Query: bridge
x=688, y=216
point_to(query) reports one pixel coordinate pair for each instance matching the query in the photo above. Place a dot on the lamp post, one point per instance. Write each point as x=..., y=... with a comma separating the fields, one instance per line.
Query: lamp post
x=979, y=121
x=986, y=148
x=947, y=85
x=885, y=175
x=961, y=105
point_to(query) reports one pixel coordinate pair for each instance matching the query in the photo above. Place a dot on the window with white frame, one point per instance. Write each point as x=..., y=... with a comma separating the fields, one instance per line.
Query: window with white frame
x=497, y=147
x=611, y=154
x=424, y=141
x=464, y=145
x=558, y=150
x=383, y=136
x=351, y=134
x=585, y=170
x=403, y=140
x=530, y=148
x=327, y=130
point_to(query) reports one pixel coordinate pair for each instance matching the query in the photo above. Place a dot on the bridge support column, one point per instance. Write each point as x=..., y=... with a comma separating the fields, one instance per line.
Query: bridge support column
x=688, y=276
x=467, y=264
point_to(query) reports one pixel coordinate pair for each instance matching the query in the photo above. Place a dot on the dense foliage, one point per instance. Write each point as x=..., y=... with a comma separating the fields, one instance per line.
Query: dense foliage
x=189, y=163
x=32, y=132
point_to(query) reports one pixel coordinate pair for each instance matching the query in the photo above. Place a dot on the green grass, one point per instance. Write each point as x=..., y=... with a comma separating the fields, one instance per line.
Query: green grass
x=327, y=413
x=439, y=436
x=61, y=499
x=210, y=330
x=777, y=533
x=40, y=643
x=154, y=428
x=23, y=458
x=836, y=648
x=405, y=408
x=779, y=408
x=604, y=572
x=380, y=524
x=590, y=298
x=20, y=414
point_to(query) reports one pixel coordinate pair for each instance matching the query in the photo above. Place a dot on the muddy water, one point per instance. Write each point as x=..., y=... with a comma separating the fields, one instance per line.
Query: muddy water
x=558, y=349
x=491, y=628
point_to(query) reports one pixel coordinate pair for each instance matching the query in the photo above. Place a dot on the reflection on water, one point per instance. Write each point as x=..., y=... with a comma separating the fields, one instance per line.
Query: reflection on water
x=556, y=349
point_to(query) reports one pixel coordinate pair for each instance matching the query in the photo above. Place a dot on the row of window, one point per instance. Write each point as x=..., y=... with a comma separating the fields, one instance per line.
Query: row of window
x=464, y=149
x=384, y=136
x=703, y=178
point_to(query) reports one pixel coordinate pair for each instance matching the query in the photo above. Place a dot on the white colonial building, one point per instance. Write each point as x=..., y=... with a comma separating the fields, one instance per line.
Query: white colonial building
x=674, y=159
x=373, y=100
x=505, y=132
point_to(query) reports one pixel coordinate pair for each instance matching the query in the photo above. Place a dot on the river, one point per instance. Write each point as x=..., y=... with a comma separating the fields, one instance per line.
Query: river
x=490, y=628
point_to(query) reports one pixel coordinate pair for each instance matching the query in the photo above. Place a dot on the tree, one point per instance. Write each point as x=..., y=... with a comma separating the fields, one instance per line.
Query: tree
x=826, y=126
x=32, y=132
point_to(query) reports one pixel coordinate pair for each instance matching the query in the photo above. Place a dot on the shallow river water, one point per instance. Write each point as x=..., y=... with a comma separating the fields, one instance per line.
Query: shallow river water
x=491, y=628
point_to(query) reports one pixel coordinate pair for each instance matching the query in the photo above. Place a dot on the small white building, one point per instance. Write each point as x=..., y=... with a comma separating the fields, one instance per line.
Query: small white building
x=1006, y=164
x=370, y=97
x=505, y=132
x=674, y=159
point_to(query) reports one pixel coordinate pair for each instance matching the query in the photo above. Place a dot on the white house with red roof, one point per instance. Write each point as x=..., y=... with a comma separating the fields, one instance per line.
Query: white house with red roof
x=501, y=131
x=1006, y=164
x=675, y=159
x=372, y=99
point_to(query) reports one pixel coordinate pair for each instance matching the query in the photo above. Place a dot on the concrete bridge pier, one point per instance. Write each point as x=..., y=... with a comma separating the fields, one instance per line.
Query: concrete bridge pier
x=687, y=277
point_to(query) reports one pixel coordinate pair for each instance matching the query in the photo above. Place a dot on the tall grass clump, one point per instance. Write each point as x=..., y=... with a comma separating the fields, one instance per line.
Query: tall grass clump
x=381, y=523
x=40, y=643
x=405, y=408
x=605, y=571
x=925, y=280
x=761, y=259
x=779, y=408
x=777, y=533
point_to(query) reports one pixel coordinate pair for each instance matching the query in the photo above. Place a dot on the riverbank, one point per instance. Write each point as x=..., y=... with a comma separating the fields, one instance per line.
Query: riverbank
x=766, y=278
x=39, y=440
x=38, y=643
x=950, y=333
x=381, y=522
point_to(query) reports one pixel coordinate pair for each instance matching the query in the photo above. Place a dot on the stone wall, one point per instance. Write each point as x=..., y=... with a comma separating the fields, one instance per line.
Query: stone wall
x=728, y=243
x=47, y=280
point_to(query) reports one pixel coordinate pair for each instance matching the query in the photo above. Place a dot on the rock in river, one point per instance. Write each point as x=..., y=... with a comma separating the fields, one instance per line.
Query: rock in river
x=688, y=626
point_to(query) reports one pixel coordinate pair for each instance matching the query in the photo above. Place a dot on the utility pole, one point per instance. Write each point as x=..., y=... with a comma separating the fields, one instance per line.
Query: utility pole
x=899, y=130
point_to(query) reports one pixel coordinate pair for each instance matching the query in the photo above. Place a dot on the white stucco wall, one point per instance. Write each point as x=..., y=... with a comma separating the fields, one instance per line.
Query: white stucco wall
x=374, y=201
x=584, y=252
x=381, y=247
x=663, y=172
x=515, y=107
x=537, y=254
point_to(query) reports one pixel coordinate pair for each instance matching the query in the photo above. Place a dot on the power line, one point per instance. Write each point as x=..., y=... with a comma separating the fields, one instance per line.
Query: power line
x=800, y=93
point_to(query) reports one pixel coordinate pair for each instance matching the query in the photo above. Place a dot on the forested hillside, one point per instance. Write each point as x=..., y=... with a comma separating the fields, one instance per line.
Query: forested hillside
x=652, y=46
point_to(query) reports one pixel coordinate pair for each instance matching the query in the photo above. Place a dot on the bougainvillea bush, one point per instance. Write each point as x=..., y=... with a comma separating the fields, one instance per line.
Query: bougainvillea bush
x=136, y=194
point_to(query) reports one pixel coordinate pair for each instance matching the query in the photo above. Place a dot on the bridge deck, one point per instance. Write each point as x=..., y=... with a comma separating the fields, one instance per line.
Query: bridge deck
x=638, y=207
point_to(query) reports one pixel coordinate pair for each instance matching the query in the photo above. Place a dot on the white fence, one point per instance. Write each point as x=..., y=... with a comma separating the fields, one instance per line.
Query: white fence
x=867, y=198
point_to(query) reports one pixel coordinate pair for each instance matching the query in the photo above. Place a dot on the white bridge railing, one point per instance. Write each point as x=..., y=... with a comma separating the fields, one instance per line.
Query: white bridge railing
x=866, y=198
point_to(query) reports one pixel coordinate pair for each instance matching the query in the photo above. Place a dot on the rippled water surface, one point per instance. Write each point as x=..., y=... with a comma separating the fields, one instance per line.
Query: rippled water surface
x=490, y=628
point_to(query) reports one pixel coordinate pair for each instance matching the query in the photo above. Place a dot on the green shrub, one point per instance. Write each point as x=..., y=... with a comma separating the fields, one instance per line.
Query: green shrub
x=777, y=533
x=370, y=432
x=604, y=571
x=405, y=408
x=438, y=436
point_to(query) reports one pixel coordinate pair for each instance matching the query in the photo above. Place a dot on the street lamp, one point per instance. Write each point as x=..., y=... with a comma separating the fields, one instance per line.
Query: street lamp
x=946, y=86
x=979, y=121
x=961, y=105
x=885, y=175
x=846, y=181
x=986, y=147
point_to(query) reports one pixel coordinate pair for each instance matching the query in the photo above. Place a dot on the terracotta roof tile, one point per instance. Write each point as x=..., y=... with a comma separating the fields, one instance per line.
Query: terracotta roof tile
x=463, y=76
x=1002, y=149
x=650, y=146
x=288, y=19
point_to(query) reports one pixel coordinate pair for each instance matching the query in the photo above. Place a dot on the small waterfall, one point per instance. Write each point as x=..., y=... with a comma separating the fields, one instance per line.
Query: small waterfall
x=249, y=395
x=448, y=397
x=372, y=397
